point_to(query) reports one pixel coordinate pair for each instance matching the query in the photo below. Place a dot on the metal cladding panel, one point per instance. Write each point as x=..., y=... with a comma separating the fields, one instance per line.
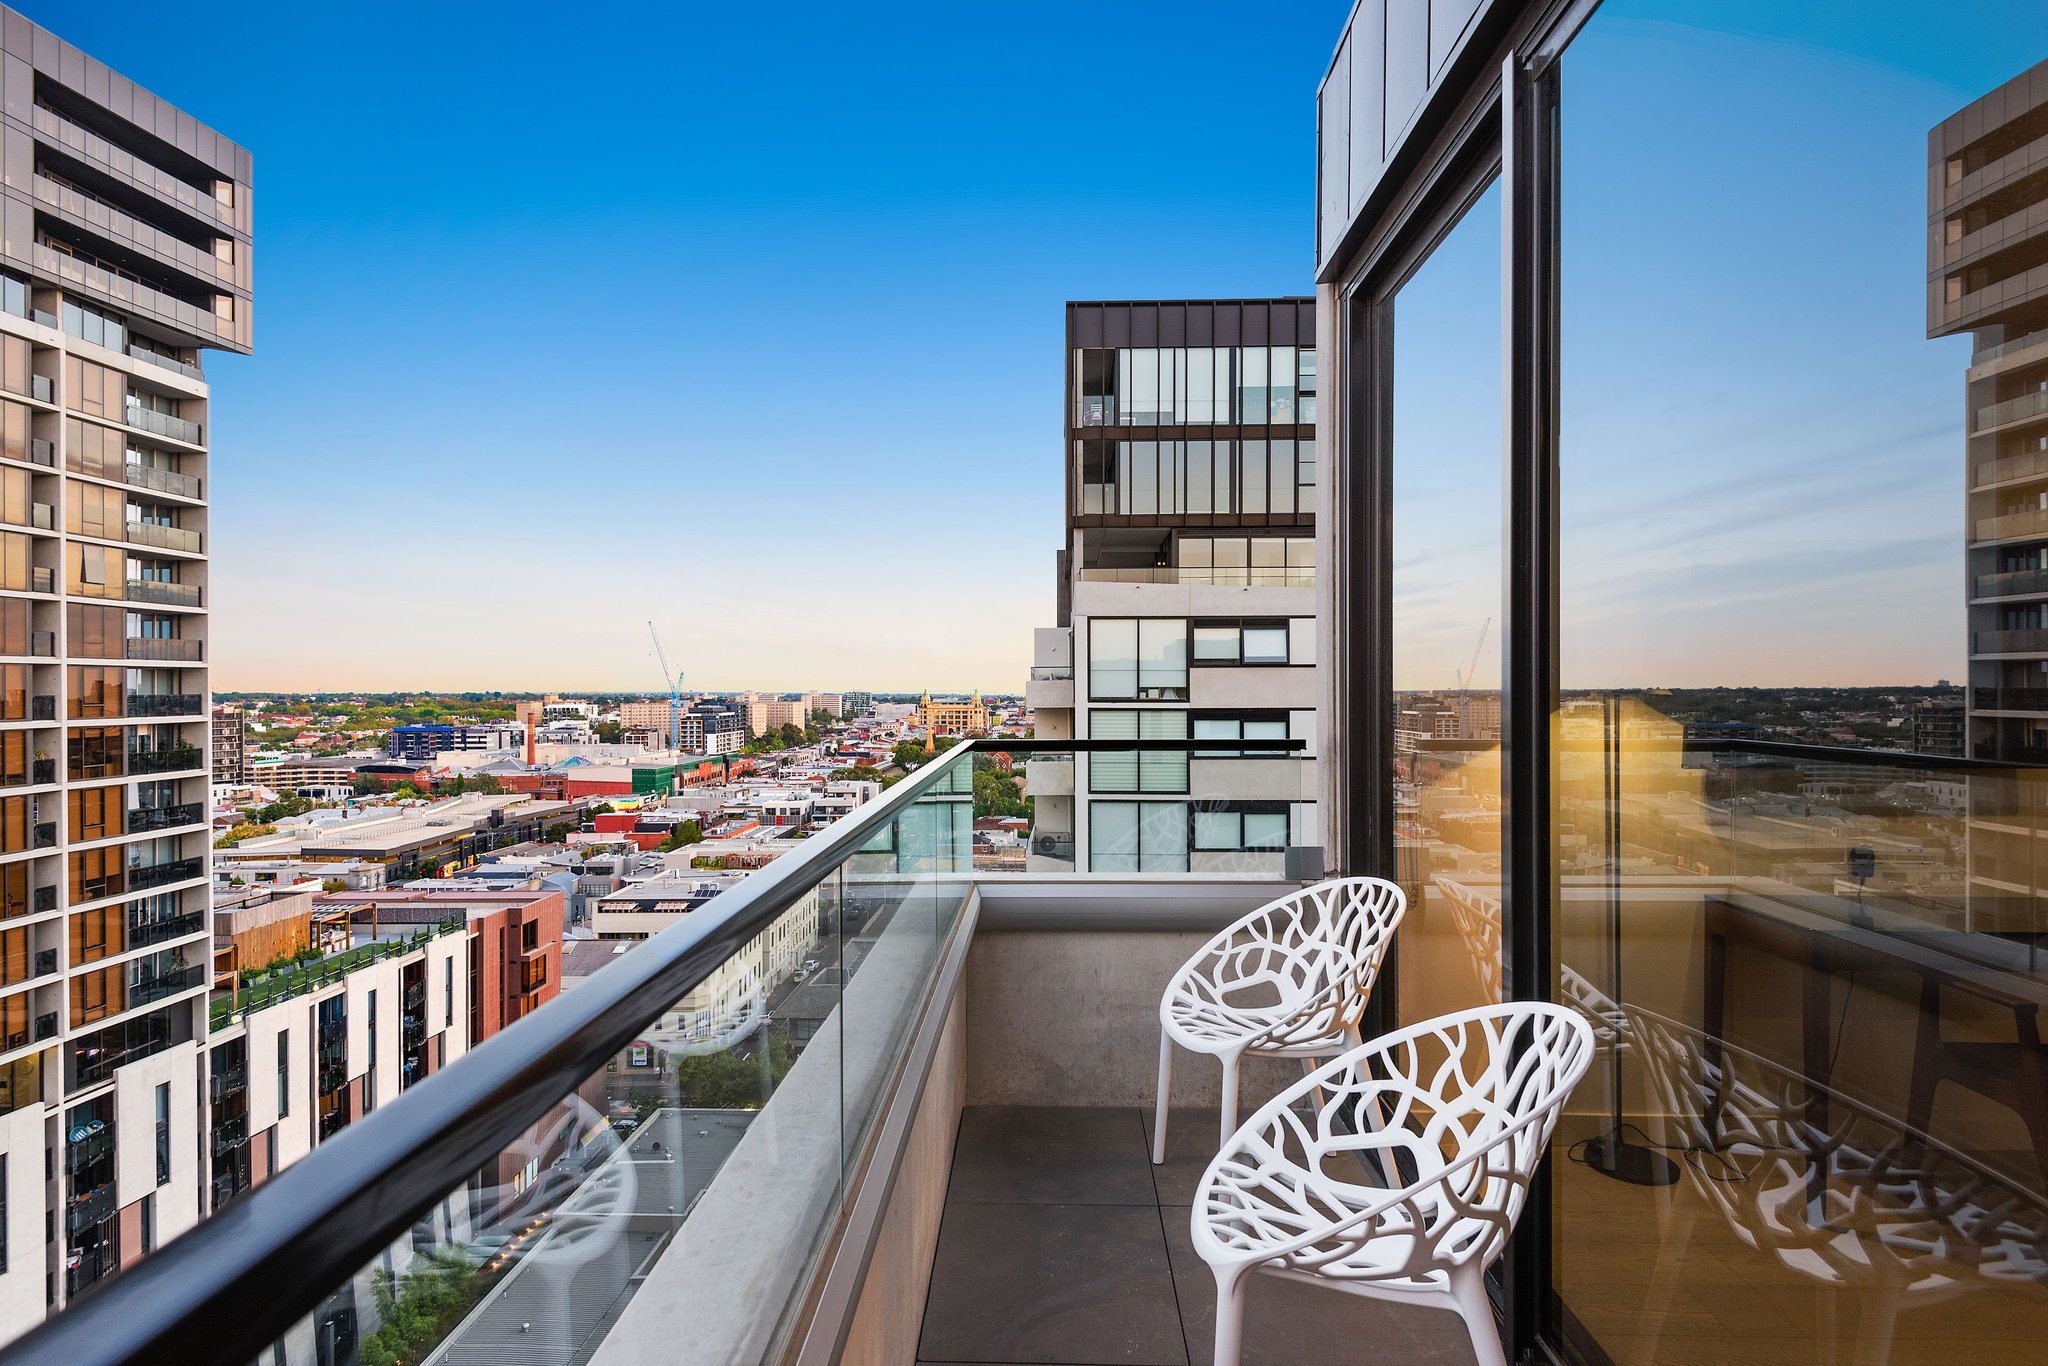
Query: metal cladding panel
x=1394, y=66
x=1084, y=326
x=1229, y=326
x=1201, y=326
x=1256, y=329
x=1173, y=324
x=1116, y=326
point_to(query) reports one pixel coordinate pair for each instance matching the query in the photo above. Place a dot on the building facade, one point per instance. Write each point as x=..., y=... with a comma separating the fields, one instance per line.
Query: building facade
x=125, y=256
x=230, y=746
x=1187, y=589
x=424, y=742
x=710, y=727
x=943, y=717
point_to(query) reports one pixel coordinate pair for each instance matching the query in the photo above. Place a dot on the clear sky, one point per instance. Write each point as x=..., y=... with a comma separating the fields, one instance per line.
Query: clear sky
x=744, y=320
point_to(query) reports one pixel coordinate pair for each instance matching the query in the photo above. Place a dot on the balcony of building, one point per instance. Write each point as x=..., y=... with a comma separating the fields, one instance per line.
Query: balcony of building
x=2027, y=407
x=162, y=481
x=164, y=649
x=163, y=594
x=161, y=537
x=934, y=1147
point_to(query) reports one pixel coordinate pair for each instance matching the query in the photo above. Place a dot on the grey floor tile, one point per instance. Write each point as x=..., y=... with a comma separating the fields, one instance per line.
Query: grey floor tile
x=1191, y=1139
x=1081, y=1285
x=1287, y=1323
x=1051, y=1155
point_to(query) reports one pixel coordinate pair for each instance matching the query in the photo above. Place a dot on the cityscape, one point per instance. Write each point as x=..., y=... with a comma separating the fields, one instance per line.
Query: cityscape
x=1486, y=559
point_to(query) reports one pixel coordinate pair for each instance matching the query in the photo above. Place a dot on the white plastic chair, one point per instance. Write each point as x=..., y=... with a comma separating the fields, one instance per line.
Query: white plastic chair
x=1469, y=1099
x=1289, y=980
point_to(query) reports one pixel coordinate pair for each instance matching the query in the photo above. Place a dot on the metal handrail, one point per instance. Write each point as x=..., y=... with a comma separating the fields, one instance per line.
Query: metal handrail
x=235, y=1283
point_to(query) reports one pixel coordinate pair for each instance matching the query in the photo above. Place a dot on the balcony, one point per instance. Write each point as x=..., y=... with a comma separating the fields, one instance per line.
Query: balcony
x=163, y=930
x=223, y=1084
x=144, y=818
x=90, y=1210
x=2023, y=408
x=163, y=650
x=2012, y=525
x=2026, y=465
x=41, y=452
x=161, y=481
x=139, y=704
x=174, y=760
x=144, y=876
x=2009, y=699
x=93, y=1146
x=2022, y=641
x=162, y=537
x=166, y=984
x=42, y=707
x=163, y=362
x=161, y=424
x=42, y=644
x=1242, y=577
x=165, y=594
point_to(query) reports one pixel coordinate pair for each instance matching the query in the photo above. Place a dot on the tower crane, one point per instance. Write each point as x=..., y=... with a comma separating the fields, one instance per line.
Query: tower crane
x=674, y=684
x=1465, y=676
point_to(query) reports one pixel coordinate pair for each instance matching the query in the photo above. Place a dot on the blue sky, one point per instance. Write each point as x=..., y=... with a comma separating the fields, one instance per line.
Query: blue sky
x=759, y=336
x=572, y=317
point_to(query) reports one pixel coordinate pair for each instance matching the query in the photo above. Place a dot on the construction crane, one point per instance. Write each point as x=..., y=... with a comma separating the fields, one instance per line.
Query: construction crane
x=674, y=684
x=1465, y=677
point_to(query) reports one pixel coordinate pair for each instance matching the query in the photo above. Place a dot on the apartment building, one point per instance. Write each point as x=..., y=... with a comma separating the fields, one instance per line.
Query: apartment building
x=1987, y=276
x=1186, y=589
x=710, y=727
x=230, y=747
x=125, y=256
x=945, y=717
x=424, y=742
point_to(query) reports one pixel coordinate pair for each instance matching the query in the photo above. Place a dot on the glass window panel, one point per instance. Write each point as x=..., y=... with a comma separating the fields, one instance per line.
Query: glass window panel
x=1251, y=385
x=1252, y=462
x=1265, y=829
x=1200, y=477
x=1144, y=485
x=1196, y=552
x=1163, y=771
x=1225, y=472
x=1163, y=837
x=1163, y=657
x=1216, y=644
x=1280, y=459
x=1113, y=837
x=1280, y=397
x=1113, y=657
x=1144, y=397
x=1218, y=829
x=1112, y=770
x=1265, y=644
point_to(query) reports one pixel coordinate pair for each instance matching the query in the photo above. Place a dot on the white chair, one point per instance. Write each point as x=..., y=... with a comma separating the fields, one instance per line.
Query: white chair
x=1289, y=980
x=1456, y=1111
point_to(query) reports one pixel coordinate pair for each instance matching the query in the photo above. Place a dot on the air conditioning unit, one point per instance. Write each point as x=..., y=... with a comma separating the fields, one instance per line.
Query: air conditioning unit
x=1053, y=846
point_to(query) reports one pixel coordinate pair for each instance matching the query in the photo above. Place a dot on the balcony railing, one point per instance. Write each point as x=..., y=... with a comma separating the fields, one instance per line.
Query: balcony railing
x=2009, y=699
x=162, y=481
x=42, y=580
x=165, y=817
x=161, y=931
x=1303, y=577
x=2026, y=465
x=169, y=650
x=174, y=760
x=2018, y=641
x=168, y=594
x=162, y=537
x=2005, y=526
x=143, y=876
x=166, y=984
x=886, y=896
x=146, y=704
x=2007, y=348
x=172, y=363
x=42, y=644
x=42, y=707
x=41, y=452
x=42, y=389
x=227, y=1083
x=162, y=424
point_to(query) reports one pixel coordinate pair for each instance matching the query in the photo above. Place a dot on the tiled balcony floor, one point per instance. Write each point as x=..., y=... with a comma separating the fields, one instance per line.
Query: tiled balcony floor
x=1062, y=1243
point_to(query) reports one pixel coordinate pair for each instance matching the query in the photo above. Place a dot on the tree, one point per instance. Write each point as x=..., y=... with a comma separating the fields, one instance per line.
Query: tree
x=608, y=732
x=334, y=884
x=790, y=734
x=862, y=773
x=370, y=785
x=908, y=754
x=486, y=783
x=731, y=1081
x=688, y=832
x=560, y=832
x=243, y=830
x=603, y=809
x=997, y=794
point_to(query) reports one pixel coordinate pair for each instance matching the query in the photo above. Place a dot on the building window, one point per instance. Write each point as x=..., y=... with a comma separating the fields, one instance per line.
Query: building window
x=1136, y=770
x=148, y=1221
x=1249, y=643
x=163, y=1134
x=1138, y=659
x=370, y=1071
x=447, y=993
x=1138, y=837
x=284, y=1073
x=1241, y=828
x=1246, y=728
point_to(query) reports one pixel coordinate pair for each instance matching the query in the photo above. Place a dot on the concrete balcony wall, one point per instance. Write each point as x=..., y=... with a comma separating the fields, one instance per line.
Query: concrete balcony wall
x=1253, y=780
x=1093, y=598
x=1278, y=686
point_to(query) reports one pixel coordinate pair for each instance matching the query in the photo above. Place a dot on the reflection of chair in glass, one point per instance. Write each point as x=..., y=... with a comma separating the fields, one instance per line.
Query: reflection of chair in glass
x=1476, y=914
x=1831, y=1188
x=1465, y=1102
x=1290, y=980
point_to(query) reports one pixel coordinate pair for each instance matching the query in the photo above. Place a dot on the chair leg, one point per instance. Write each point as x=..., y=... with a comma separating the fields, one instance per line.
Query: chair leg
x=1229, y=1061
x=1468, y=1289
x=1229, y=1314
x=1165, y=1085
x=1308, y=1067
